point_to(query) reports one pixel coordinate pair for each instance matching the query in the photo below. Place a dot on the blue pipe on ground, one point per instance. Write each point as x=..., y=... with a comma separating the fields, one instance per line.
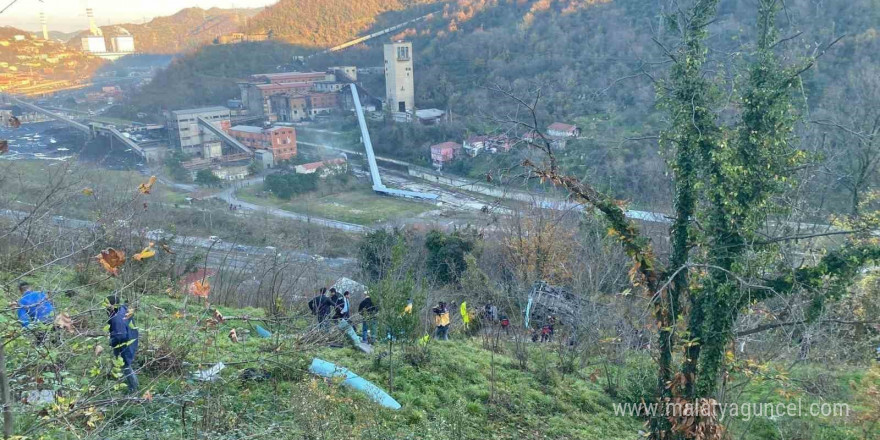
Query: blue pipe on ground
x=328, y=369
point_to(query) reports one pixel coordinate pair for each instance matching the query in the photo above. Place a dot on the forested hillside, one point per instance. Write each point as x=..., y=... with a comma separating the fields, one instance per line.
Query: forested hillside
x=594, y=62
x=207, y=77
x=319, y=23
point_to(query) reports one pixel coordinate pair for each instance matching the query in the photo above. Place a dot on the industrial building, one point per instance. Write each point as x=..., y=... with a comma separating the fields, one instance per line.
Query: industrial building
x=281, y=141
x=294, y=107
x=399, y=81
x=186, y=133
x=122, y=43
x=294, y=96
x=94, y=42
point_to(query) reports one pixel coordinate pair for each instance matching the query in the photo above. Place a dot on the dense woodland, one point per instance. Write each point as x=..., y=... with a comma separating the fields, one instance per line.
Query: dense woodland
x=595, y=64
x=323, y=23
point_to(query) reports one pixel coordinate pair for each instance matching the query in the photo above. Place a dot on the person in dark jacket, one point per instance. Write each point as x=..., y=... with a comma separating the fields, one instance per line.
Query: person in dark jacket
x=369, y=311
x=321, y=305
x=123, y=339
x=338, y=302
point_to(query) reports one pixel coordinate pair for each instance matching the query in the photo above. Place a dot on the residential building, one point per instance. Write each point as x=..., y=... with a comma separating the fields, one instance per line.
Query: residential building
x=399, y=81
x=280, y=141
x=499, y=143
x=324, y=168
x=556, y=142
x=185, y=132
x=473, y=145
x=558, y=129
x=445, y=152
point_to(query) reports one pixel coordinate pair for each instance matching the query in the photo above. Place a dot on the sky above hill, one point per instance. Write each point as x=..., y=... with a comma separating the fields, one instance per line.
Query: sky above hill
x=70, y=15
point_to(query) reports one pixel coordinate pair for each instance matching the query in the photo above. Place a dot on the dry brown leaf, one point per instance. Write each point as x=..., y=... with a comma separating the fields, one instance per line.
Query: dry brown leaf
x=98, y=350
x=200, y=289
x=233, y=336
x=148, y=396
x=88, y=191
x=111, y=259
x=218, y=316
x=166, y=248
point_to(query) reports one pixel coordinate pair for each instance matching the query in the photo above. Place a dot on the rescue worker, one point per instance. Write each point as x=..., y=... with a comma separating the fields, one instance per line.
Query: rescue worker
x=321, y=305
x=369, y=312
x=441, y=320
x=123, y=339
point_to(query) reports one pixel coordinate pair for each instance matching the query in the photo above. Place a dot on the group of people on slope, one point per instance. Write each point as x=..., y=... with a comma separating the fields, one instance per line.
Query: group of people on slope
x=489, y=315
x=335, y=306
x=330, y=305
x=36, y=313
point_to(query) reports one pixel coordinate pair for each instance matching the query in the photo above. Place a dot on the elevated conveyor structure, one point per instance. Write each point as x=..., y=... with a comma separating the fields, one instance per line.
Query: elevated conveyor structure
x=120, y=137
x=378, y=186
x=385, y=31
x=57, y=116
x=223, y=135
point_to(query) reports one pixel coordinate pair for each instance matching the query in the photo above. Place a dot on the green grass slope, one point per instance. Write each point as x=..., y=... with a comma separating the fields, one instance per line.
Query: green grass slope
x=449, y=394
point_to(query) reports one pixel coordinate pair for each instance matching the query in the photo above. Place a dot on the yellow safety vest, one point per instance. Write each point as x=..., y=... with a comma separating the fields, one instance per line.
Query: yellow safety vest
x=442, y=319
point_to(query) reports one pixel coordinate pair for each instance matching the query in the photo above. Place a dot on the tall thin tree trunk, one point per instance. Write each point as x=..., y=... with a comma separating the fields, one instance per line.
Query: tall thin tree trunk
x=8, y=420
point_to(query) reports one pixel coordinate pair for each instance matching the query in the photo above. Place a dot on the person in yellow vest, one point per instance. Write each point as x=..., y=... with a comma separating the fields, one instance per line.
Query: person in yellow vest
x=465, y=315
x=441, y=320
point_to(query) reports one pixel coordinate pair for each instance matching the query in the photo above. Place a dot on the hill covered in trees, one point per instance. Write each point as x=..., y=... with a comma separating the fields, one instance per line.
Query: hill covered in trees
x=319, y=23
x=595, y=63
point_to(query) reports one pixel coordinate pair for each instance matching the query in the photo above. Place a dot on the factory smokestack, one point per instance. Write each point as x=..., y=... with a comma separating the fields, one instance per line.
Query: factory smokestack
x=44, y=26
x=93, y=28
